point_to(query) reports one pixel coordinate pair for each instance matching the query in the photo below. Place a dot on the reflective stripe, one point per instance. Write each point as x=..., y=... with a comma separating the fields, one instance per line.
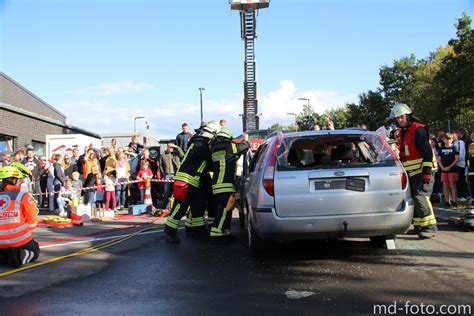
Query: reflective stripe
x=412, y=162
x=234, y=148
x=427, y=164
x=10, y=221
x=14, y=230
x=186, y=155
x=18, y=199
x=223, y=185
x=201, y=168
x=15, y=240
x=221, y=171
x=414, y=173
x=194, y=181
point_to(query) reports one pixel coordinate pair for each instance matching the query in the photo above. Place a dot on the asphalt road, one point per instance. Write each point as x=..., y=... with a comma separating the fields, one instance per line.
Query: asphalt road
x=146, y=276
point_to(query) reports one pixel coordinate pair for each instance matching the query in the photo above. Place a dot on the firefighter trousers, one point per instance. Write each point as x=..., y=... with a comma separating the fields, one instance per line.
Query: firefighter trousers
x=221, y=226
x=17, y=256
x=423, y=215
x=194, y=207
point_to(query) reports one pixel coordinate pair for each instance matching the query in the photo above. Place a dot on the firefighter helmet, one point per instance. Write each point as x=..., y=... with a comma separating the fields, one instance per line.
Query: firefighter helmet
x=225, y=132
x=212, y=127
x=22, y=168
x=399, y=109
x=10, y=172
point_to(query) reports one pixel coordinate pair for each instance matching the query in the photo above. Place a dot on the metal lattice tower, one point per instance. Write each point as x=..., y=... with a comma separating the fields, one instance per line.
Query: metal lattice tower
x=248, y=26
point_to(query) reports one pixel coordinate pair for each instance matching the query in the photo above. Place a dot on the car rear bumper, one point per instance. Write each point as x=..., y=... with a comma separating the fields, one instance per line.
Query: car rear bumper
x=268, y=225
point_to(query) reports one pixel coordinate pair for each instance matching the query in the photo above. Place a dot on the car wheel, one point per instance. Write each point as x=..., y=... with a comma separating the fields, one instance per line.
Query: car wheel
x=380, y=241
x=256, y=244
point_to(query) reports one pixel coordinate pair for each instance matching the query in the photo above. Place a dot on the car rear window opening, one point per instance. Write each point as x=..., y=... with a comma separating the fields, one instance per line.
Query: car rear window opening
x=334, y=151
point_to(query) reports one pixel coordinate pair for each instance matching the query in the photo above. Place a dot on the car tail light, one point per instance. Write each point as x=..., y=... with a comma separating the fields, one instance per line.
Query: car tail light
x=404, y=180
x=269, y=174
x=268, y=182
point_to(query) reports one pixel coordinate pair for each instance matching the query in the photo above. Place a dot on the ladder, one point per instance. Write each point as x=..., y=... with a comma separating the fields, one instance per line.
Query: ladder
x=248, y=24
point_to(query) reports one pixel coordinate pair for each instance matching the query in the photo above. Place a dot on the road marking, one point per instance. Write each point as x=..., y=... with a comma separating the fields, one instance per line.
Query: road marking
x=102, y=238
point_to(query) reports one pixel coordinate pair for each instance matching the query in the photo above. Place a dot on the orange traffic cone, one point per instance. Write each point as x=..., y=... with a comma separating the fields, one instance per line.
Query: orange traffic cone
x=147, y=197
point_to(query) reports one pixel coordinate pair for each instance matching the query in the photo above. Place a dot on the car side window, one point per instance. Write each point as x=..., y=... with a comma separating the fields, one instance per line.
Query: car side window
x=257, y=158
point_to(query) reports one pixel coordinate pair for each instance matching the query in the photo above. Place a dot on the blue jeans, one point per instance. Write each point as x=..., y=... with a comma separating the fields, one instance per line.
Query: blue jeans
x=142, y=196
x=89, y=197
x=168, y=189
x=121, y=192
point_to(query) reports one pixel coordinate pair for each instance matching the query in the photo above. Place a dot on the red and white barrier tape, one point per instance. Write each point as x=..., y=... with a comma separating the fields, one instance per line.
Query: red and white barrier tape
x=104, y=185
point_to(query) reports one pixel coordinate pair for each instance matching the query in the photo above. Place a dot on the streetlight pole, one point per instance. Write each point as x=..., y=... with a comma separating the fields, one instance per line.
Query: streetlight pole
x=305, y=99
x=135, y=123
x=200, y=94
x=296, y=124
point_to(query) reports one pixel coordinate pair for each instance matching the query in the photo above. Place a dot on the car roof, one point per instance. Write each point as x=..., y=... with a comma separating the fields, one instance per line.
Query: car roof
x=327, y=132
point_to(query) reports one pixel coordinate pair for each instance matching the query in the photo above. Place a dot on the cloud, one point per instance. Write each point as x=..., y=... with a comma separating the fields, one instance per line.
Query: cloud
x=102, y=116
x=115, y=88
x=276, y=104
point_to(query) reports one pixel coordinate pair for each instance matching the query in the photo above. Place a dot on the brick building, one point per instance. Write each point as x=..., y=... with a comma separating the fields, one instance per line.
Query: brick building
x=25, y=119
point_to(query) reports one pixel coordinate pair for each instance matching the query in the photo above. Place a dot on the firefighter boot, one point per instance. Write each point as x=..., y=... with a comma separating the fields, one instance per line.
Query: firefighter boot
x=171, y=235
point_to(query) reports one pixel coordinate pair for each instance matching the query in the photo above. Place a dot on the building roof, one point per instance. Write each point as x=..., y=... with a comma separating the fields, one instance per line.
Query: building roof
x=2, y=74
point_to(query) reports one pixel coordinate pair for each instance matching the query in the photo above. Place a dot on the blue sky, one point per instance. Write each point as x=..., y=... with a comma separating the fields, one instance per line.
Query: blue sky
x=101, y=62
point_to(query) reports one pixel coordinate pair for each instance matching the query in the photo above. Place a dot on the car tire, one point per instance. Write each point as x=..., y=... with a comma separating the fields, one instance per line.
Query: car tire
x=380, y=241
x=255, y=243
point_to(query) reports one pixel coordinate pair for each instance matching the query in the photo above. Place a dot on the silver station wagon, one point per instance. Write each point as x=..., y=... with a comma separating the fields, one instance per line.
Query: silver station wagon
x=326, y=184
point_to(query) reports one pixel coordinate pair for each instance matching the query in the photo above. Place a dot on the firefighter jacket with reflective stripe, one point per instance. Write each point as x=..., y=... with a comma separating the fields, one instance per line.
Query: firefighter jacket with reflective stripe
x=470, y=168
x=414, y=159
x=196, y=162
x=225, y=154
x=17, y=217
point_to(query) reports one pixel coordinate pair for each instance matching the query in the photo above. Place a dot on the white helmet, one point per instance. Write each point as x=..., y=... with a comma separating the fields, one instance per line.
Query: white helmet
x=212, y=127
x=399, y=109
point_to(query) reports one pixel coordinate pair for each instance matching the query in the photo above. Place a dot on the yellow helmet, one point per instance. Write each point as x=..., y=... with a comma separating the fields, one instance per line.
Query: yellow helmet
x=11, y=172
x=22, y=168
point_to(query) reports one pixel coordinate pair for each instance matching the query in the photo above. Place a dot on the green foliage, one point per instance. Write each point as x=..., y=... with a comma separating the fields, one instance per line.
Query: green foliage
x=437, y=88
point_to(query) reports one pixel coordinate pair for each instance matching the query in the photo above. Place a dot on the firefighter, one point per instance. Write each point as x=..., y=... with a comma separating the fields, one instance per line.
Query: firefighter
x=189, y=192
x=225, y=154
x=419, y=162
x=17, y=218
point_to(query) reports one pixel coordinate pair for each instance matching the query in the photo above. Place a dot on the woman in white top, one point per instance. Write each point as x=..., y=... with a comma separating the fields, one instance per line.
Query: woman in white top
x=122, y=169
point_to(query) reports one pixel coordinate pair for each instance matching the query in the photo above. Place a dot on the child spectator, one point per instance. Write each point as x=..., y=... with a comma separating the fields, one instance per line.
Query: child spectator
x=100, y=193
x=91, y=181
x=109, y=181
x=65, y=200
x=143, y=174
x=448, y=158
x=76, y=183
x=470, y=167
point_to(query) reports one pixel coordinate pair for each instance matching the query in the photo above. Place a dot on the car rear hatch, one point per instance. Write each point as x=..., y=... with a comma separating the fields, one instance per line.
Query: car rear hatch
x=328, y=175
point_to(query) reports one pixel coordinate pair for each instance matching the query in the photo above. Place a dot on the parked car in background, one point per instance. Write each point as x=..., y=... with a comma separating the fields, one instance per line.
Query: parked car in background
x=326, y=184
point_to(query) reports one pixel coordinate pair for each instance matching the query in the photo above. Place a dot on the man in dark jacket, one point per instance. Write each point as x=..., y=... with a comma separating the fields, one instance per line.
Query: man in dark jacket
x=225, y=154
x=169, y=164
x=182, y=139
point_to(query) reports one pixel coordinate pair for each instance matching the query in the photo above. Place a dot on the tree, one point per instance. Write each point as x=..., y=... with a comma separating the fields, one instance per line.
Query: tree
x=307, y=118
x=373, y=110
